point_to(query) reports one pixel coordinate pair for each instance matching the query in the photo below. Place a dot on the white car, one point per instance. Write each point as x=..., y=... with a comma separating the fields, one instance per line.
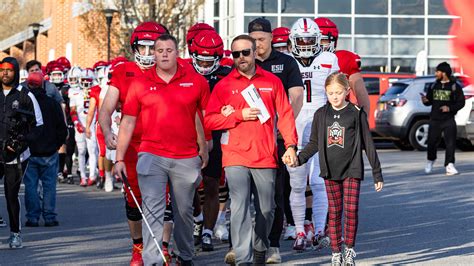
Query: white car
x=465, y=120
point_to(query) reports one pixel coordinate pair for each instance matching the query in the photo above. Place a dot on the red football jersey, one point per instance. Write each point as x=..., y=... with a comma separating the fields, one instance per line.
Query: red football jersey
x=349, y=62
x=94, y=93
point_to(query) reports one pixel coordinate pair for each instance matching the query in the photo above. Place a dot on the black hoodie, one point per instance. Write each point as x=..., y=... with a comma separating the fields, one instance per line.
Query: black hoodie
x=21, y=99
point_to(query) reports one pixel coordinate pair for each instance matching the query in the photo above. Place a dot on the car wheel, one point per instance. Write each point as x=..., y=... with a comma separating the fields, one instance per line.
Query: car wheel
x=403, y=145
x=418, y=135
x=464, y=145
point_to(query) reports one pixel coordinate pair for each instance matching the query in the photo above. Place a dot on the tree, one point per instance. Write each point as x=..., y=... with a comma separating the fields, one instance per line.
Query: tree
x=176, y=15
x=12, y=15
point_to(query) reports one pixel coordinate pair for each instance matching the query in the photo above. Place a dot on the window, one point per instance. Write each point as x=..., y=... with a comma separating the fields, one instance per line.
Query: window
x=408, y=7
x=371, y=26
x=439, y=26
x=334, y=6
x=432, y=63
x=408, y=26
x=343, y=24
x=261, y=6
x=404, y=65
x=247, y=19
x=406, y=46
x=438, y=47
x=216, y=8
x=372, y=85
x=374, y=64
x=344, y=43
x=371, y=46
x=288, y=21
x=216, y=25
x=371, y=7
x=297, y=6
x=396, y=88
x=436, y=7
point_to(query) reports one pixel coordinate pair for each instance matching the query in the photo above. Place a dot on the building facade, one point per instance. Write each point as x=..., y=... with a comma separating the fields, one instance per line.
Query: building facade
x=389, y=35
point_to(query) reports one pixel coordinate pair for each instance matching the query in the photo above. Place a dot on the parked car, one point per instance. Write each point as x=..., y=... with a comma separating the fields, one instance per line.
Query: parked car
x=470, y=121
x=377, y=84
x=402, y=117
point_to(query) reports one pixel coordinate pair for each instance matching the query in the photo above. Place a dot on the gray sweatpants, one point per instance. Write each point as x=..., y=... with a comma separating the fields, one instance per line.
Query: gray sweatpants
x=183, y=175
x=243, y=182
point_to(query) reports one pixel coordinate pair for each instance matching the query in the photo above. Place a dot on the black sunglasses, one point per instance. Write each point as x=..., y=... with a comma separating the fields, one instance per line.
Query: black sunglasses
x=245, y=52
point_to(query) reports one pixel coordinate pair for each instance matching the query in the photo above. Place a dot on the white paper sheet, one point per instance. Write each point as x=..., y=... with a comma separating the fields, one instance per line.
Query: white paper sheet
x=253, y=99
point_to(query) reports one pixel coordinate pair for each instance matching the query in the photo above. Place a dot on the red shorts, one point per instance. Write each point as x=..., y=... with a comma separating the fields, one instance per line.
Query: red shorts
x=130, y=160
x=100, y=139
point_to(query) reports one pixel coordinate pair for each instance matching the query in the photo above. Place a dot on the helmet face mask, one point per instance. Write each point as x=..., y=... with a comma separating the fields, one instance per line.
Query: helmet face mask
x=56, y=77
x=207, y=49
x=329, y=33
x=305, y=38
x=144, y=53
x=145, y=34
x=85, y=83
x=205, y=65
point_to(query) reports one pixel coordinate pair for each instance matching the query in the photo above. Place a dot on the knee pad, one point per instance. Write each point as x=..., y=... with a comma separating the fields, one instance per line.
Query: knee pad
x=133, y=214
x=308, y=193
x=201, y=196
x=223, y=194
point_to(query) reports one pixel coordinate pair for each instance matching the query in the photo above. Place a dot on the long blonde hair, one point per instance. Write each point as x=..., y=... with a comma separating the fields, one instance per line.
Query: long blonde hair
x=339, y=78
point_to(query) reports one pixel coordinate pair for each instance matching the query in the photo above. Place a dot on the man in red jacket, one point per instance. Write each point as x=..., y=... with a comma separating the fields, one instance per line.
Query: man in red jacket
x=249, y=146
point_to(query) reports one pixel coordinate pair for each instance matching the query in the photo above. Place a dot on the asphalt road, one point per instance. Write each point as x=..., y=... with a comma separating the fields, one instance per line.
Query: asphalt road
x=417, y=219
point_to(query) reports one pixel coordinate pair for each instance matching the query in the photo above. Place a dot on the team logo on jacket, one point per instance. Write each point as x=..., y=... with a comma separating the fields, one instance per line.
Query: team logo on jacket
x=336, y=135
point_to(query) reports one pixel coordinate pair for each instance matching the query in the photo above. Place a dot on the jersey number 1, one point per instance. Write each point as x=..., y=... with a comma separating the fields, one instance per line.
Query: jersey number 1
x=307, y=85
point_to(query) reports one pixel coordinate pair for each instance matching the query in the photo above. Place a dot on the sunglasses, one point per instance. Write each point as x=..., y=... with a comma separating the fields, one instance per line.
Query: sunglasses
x=245, y=52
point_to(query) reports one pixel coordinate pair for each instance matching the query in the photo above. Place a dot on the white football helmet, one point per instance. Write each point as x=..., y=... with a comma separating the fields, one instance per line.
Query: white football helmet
x=73, y=76
x=305, y=38
x=87, y=78
x=103, y=75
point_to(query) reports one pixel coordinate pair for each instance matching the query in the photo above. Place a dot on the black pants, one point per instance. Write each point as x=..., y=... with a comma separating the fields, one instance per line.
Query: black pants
x=70, y=148
x=448, y=128
x=282, y=175
x=12, y=181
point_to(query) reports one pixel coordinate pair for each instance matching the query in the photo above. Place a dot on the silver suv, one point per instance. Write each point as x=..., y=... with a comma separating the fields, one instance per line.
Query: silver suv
x=402, y=117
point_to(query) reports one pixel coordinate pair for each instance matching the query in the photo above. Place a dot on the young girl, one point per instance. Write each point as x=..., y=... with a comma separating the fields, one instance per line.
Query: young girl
x=339, y=133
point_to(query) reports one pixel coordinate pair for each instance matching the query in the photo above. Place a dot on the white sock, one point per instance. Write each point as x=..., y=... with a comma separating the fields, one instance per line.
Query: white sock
x=199, y=218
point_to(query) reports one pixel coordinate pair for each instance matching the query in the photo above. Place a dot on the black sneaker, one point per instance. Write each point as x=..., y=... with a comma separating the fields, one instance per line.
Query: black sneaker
x=100, y=182
x=70, y=179
x=197, y=233
x=207, y=242
x=31, y=223
x=51, y=223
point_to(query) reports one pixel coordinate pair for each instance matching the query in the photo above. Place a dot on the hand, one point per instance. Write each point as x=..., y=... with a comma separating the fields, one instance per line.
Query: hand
x=227, y=110
x=119, y=167
x=79, y=127
x=424, y=99
x=444, y=109
x=250, y=113
x=88, y=132
x=111, y=141
x=10, y=149
x=290, y=157
x=204, y=154
x=378, y=186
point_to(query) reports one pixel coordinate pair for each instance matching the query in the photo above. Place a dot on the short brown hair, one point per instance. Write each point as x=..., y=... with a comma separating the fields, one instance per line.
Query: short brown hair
x=167, y=37
x=337, y=77
x=245, y=37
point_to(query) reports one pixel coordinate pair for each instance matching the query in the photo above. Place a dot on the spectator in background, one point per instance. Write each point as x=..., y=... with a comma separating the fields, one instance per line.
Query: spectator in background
x=43, y=163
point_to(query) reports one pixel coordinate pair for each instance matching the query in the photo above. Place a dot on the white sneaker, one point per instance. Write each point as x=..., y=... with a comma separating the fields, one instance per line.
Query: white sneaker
x=451, y=170
x=221, y=232
x=290, y=233
x=109, y=184
x=273, y=256
x=429, y=167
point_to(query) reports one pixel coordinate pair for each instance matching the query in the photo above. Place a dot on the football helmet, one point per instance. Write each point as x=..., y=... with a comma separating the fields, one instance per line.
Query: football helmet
x=64, y=62
x=56, y=73
x=329, y=32
x=99, y=64
x=280, y=36
x=87, y=78
x=206, y=51
x=305, y=38
x=73, y=76
x=143, y=37
x=103, y=75
x=194, y=30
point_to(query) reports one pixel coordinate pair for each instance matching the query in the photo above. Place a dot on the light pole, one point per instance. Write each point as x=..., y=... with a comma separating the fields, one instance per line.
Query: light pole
x=36, y=27
x=109, y=14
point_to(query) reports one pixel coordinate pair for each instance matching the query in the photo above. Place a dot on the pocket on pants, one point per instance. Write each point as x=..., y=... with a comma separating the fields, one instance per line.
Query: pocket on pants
x=144, y=163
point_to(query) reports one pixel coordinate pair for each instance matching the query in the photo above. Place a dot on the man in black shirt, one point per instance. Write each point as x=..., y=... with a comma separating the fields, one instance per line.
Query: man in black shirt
x=286, y=68
x=446, y=98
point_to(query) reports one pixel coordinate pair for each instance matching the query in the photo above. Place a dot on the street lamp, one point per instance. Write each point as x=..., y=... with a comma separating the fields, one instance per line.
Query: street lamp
x=109, y=14
x=36, y=27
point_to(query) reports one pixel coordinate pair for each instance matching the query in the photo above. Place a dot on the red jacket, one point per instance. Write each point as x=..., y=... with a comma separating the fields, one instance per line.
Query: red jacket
x=250, y=143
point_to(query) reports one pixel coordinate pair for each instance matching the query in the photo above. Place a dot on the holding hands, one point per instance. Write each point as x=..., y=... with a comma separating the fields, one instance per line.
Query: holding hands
x=290, y=158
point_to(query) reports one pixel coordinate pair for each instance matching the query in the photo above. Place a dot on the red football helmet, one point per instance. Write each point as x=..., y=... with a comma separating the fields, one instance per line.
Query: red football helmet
x=64, y=62
x=56, y=73
x=206, y=50
x=280, y=36
x=195, y=29
x=100, y=64
x=48, y=67
x=329, y=32
x=143, y=37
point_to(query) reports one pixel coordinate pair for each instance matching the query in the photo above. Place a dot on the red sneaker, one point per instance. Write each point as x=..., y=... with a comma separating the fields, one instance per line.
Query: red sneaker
x=167, y=256
x=83, y=182
x=300, y=242
x=91, y=182
x=137, y=255
x=309, y=231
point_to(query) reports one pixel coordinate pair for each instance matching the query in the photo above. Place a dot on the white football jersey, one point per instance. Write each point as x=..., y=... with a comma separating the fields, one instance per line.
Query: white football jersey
x=314, y=76
x=80, y=99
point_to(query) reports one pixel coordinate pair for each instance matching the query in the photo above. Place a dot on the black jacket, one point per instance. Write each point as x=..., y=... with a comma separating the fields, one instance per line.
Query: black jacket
x=18, y=100
x=449, y=94
x=54, y=128
x=363, y=140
